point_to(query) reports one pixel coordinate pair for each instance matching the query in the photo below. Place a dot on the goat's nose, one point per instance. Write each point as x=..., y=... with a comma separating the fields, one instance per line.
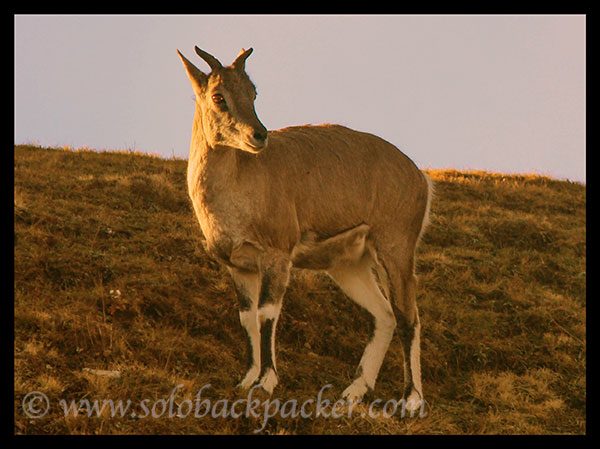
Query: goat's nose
x=260, y=134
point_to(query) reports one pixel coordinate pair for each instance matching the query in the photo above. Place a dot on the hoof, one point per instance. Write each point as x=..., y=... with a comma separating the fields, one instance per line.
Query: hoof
x=413, y=402
x=355, y=392
x=249, y=379
x=269, y=380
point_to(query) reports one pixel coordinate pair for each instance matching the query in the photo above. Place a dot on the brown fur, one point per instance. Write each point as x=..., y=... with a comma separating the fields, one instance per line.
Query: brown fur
x=320, y=197
x=303, y=182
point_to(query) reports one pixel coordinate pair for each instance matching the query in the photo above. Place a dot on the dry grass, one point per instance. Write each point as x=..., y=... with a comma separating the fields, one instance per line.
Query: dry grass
x=110, y=274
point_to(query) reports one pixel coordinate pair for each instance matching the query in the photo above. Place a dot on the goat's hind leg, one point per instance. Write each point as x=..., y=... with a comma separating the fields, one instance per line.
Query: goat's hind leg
x=411, y=344
x=403, y=292
x=358, y=282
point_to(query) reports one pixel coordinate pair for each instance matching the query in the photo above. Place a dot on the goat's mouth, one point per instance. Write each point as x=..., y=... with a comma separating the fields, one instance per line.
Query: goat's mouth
x=255, y=146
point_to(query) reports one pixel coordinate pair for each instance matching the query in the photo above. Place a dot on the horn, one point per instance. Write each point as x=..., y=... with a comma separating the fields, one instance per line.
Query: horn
x=210, y=59
x=240, y=61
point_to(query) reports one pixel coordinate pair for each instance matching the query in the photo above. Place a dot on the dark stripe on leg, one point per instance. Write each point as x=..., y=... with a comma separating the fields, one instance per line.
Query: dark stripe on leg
x=407, y=333
x=266, y=338
x=249, y=353
x=244, y=300
x=272, y=287
x=266, y=295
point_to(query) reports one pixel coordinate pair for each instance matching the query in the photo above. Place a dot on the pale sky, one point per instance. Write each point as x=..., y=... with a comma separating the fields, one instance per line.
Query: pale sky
x=497, y=93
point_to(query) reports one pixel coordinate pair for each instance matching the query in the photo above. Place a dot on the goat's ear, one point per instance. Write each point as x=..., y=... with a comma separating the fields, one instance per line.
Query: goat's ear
x=197, y=78
x=240, y=61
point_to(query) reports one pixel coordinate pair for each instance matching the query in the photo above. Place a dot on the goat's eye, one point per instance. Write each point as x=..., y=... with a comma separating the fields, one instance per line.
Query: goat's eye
x=218, y=98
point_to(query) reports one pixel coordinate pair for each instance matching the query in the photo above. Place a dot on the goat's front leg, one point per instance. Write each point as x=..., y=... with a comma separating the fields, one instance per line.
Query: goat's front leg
x=275, y=277
x=247, y=286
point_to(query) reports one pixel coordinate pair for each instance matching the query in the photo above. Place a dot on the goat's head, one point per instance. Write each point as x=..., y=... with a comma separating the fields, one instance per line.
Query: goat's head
x=226, y=101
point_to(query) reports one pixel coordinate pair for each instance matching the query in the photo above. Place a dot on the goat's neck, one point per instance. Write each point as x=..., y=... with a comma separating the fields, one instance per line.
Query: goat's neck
x=209, y=167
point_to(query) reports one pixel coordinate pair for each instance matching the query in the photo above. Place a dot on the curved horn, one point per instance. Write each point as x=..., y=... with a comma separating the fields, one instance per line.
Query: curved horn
x=210, y=59
x=240, y=61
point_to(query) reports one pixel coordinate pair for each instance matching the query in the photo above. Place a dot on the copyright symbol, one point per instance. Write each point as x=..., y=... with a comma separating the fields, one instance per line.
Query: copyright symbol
x=35, y=404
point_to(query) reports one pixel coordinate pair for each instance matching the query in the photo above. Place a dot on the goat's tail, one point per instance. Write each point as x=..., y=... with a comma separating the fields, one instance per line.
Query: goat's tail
x=430, y=194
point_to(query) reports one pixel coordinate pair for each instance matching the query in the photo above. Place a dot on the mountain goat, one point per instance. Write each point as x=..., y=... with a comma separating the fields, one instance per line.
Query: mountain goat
x=318, y=197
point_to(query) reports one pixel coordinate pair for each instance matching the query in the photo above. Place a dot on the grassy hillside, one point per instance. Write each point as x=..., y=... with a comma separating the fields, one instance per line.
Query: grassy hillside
x=110, y=274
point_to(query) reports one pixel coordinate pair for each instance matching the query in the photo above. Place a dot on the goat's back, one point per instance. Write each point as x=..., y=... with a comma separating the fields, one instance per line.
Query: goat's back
x=338, y=178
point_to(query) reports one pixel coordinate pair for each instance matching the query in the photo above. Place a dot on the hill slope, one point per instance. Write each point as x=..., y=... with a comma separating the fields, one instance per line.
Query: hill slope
x=110, y=274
